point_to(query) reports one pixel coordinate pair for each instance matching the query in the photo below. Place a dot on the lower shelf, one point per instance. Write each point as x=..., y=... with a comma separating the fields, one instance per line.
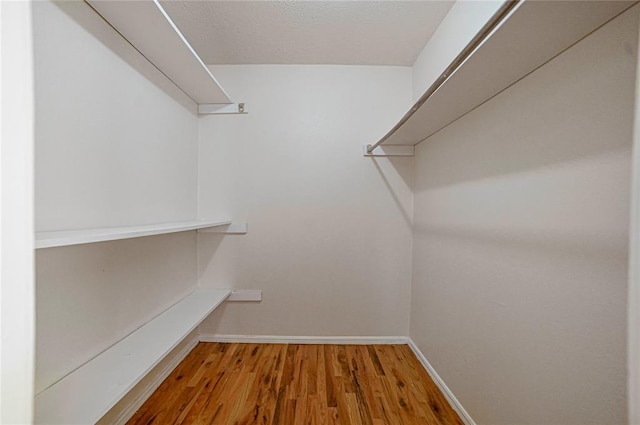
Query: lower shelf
x=85, y=395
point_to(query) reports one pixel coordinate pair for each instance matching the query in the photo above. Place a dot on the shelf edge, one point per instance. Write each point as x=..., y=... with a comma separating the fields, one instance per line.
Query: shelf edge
x=147, y=27
x=501, y=15
x=50, y=399
x=105, y=234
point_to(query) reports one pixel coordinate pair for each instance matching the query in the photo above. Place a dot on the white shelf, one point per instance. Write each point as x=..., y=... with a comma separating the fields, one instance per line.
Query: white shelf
x=86, y=394
x=535, y=32
x=149, y=29
x=76, y=237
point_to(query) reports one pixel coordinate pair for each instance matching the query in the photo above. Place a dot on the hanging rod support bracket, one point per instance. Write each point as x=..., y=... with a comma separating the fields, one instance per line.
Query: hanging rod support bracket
x=222, y=108
x=390, y=150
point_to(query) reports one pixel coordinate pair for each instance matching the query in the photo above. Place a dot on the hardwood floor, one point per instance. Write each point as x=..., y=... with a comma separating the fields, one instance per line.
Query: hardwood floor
x=297, y=384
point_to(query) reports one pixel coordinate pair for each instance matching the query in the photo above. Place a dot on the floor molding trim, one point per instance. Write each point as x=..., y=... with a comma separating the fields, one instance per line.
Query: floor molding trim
x=273, y=339
x=453, y=401
x=128, y=412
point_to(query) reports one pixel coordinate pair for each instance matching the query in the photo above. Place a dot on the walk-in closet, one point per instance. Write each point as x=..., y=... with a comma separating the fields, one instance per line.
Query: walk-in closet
x=320, y=212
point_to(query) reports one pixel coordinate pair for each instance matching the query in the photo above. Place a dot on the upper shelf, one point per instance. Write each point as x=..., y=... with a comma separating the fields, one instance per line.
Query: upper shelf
x=149, y=29
x=530, y=35
x=77, y=237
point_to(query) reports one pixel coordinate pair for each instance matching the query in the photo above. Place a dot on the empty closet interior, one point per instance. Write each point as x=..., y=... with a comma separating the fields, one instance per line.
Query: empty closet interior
x=473, y=201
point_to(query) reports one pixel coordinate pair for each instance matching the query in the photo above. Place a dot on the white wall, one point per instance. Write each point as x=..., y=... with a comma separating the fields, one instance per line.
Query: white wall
x=16, y=213
x=112, y=148
x=116, y=144
x=519, y=290
x=329, y=237
x=633, y=331
x=462, y=23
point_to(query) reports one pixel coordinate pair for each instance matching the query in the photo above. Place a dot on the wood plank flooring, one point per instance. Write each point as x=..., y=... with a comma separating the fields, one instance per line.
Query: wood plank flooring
x=278, y=384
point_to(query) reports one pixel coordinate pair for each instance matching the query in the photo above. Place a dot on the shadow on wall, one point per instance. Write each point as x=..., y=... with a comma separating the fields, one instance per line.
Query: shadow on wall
x=95, y=25
x=523, y=275
x=212, y=324
x=218, y=259
x=217, y=268
x=521, y=242
x=547, y=161
x=208, y=244
x=390, y=169
x=548, y=119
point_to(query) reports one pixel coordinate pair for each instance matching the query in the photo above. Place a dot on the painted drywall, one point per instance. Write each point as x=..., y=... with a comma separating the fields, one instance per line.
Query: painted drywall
x=116, y=144
x=633, y=330
x=90, y=296
x=460, y=25
x=329, y=239
x=112, y=147
x=519, y=291
x=17, y=318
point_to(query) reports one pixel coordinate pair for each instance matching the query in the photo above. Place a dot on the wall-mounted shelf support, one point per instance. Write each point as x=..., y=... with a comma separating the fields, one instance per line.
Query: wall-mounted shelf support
x=222, y=108
x=253, y=295
x=388, y=151
x=239, y=228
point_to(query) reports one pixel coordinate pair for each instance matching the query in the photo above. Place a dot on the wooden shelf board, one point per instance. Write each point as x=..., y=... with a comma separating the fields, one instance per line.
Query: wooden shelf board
x=534, y=33
x=76, y=237
x=151, y=31
x=85, y=395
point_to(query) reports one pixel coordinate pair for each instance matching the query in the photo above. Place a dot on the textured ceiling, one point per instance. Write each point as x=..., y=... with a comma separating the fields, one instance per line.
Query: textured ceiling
x=308, y=32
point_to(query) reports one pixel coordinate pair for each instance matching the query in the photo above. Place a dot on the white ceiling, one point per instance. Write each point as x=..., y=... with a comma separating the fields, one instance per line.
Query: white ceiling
x=308, y=32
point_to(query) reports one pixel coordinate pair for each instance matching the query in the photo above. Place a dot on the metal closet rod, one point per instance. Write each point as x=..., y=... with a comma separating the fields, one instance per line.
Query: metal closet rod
x=497, y=19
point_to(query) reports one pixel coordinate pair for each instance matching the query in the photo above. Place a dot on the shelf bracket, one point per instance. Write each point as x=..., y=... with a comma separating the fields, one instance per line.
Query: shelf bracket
x=395, y=150
x=222, y=108
x=245, y=295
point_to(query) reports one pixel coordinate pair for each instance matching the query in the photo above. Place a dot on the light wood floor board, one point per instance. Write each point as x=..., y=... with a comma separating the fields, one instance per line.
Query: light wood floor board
x=279, y=384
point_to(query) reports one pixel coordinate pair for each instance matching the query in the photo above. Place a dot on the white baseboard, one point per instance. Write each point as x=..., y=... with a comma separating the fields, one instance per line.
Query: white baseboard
x=453, y=401
x=133, y=406
x=273, y=339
